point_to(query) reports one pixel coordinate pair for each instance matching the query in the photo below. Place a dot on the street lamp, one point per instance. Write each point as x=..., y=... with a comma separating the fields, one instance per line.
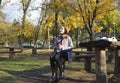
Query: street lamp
x=114, y=28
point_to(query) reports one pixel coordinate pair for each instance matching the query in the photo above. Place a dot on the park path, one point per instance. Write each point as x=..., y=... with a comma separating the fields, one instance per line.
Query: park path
x=71, y=77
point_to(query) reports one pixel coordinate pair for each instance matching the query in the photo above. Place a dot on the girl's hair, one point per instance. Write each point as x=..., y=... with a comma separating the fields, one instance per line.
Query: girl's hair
x=66, y=28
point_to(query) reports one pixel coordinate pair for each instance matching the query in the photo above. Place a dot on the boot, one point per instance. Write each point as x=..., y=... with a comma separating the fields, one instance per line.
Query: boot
x=62, y=76
x=53, y=78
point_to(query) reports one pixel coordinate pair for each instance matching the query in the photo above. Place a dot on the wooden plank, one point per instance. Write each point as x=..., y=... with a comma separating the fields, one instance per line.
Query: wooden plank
x=11, y=52
x=86, y=52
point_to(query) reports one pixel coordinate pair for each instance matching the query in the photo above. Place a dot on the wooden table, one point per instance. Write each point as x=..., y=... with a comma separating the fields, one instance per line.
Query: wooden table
x=99, y=47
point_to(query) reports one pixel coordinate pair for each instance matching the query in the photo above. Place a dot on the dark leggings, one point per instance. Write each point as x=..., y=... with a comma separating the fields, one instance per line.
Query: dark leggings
x=57, y=60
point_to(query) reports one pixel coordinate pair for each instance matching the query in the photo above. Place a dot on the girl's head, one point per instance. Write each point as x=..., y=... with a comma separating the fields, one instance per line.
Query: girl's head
x=63, y=29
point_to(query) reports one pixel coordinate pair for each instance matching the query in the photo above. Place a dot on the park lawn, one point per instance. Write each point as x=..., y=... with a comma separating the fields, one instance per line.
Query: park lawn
x=11, y=70
x=24, y=67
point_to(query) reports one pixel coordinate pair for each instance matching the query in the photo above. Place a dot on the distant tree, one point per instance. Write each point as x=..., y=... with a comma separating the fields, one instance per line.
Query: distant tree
x=2, y=5
x=111, y=24
x=25, y=6
x=8, y=33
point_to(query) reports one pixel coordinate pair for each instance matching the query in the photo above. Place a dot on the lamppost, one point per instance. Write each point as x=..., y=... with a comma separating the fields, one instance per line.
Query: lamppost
x=114, y=29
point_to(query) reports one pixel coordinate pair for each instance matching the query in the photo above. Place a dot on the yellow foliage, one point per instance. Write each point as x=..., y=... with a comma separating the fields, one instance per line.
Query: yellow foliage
x=105, y=5
x=99, y=17
x=49, y=21
x=78, y=19
x=74, y=21
x=97, y=28
x=58, y=4
x=28, y=31
x=110, y=29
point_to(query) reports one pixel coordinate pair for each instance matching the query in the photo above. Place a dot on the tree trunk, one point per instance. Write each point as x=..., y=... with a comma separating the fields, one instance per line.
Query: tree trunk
x=0, y=2
x=25, y=5
x=92, y=35
x=48, y=37
x=56, y=22
x=77, y=30
x=34, y=50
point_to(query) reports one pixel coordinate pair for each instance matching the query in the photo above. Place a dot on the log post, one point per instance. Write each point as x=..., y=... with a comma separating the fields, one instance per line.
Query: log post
x=111, y=57
x=88, y=61
x=11, y=53
x=117, y=61
x=101, y=72
x=34, y=50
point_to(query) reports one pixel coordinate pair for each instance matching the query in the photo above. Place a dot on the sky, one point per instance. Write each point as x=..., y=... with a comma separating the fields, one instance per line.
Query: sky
x=13, y=11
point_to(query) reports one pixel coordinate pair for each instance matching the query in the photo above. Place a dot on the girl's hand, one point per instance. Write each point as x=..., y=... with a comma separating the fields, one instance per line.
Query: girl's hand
x=59, y=46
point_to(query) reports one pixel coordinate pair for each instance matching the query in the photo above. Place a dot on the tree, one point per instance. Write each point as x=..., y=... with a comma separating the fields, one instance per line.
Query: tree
x=111, y=23
x=41, y=19
x=42, y=15
x=8, y=33
x=59, y=9
x=90, y=10
x=29, y=32
x=25, y=6
x=2, y=15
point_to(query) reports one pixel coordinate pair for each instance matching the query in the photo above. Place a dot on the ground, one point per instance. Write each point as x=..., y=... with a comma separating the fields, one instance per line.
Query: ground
x=36, y=69
x=72, y=76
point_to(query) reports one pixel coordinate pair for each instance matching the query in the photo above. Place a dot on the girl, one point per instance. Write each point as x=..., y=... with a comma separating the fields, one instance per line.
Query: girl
x=62, y=53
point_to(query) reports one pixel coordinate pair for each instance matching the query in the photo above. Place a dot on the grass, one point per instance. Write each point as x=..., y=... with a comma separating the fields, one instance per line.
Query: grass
x=27, y=68
x=11, y=70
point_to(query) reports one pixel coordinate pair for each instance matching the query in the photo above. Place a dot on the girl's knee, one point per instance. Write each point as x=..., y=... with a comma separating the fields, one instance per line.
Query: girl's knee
x=57, y=56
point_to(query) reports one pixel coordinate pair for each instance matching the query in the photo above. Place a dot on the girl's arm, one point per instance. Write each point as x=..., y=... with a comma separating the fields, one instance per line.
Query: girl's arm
x=70, y=44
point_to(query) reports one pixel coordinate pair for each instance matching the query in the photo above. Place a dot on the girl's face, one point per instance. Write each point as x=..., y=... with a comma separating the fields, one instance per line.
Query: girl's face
x=61, y=30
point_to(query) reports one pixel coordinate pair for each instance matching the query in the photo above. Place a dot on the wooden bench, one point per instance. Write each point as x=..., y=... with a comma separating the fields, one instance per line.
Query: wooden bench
x=83, y=54
x=11, y=50
x=87, y=55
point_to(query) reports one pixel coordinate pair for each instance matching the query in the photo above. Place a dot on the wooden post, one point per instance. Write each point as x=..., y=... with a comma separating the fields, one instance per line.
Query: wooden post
x=111, y=57
x=34, y=50
x=117, y=61
x=101, y=72
x=11, y=53
x=88, y=64
x=88, y=61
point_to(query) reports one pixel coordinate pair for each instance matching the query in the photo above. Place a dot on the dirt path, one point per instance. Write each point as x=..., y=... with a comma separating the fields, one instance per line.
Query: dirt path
x=71, y=77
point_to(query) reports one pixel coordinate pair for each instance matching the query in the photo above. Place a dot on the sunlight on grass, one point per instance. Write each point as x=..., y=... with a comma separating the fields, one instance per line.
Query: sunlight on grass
x=5, y=74
x=11, y=70
x=22, y=65
x=7, y=78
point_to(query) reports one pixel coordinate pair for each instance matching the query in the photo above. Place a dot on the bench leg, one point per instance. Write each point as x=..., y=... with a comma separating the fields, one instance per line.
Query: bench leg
x=11, y=55
x=88, y=64
x=88, y=61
